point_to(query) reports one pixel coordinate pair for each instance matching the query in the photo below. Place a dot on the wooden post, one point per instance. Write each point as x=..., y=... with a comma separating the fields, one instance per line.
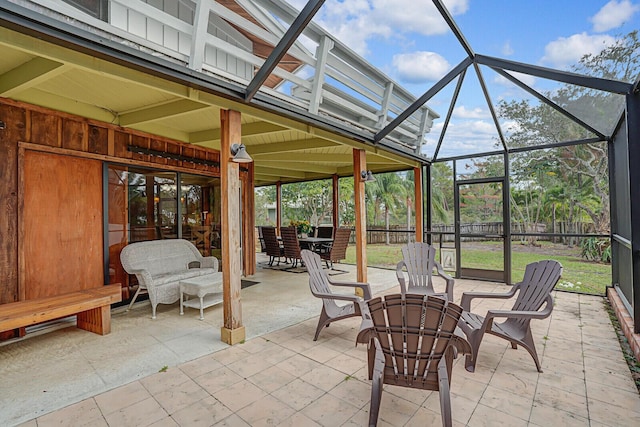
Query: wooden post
x=249, y=223
x=232, y=331
x=417, y=179
x=336, y=203
x=359, y=165
x=278, y=207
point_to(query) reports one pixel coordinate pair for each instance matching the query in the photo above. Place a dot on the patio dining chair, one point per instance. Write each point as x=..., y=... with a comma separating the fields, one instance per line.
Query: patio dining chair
x=291, y=244
x=325, y=231
x=534, y=291
x=419, y=261
x=320, y=285
x=336, y=251
x=414, y=342
x=272, y=246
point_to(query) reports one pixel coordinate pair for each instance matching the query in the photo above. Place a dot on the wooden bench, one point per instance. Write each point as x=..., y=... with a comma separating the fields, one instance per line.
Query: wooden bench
x=93, y=307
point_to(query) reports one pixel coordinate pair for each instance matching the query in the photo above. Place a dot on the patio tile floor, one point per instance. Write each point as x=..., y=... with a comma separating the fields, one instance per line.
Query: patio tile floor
x=279, y=376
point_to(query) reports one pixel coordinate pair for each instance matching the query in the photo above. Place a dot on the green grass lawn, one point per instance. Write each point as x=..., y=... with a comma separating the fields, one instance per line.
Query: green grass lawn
x=578, y=275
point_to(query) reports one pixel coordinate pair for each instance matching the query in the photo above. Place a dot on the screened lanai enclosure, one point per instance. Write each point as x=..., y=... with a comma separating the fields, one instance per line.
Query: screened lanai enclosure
x=150, y=96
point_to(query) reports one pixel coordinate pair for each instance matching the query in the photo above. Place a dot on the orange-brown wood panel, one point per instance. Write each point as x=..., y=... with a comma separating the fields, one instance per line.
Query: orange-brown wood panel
x=98, y=140
x=74, y=135
x=45, y=128
x=121, y=141
x=14, y=120
x=61, y=223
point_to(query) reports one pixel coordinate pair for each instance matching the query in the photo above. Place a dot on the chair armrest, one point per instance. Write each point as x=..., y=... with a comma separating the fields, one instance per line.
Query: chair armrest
x=465, y=303
x=448, y=279
x=521, y=314
x=459, y=341
x=400, y=277
x=210, y=262
x=365, y=287
x=144, y=277
x=352, y=298
x=366, y=332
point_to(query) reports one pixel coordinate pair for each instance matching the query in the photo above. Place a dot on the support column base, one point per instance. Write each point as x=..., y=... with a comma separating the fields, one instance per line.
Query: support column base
x=232, y=336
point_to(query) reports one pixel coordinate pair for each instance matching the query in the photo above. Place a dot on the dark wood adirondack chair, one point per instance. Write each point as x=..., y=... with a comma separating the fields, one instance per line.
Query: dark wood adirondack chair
x=533, y=292
x=320, y=285
x=419, y=260
x=414, y=344
x=272, y=246
x=291, y=244
x=337, y=250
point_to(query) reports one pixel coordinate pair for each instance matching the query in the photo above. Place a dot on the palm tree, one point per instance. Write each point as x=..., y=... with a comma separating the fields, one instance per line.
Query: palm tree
x=389, y=191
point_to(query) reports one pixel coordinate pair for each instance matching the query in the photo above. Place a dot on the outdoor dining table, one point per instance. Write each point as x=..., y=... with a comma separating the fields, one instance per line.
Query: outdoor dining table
x=314, y=243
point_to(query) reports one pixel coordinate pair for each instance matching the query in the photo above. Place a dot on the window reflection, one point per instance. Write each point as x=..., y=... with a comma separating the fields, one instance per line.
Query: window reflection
x=146, y=204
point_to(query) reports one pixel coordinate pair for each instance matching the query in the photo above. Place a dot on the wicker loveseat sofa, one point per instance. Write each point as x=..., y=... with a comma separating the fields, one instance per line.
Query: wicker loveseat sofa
x=160, y=265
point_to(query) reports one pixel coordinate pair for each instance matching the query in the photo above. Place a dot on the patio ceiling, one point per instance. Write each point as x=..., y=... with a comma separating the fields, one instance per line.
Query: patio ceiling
x=51, y=76
x=86, y=77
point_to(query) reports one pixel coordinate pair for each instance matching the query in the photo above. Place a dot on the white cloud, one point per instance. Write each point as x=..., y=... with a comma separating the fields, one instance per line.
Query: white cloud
x=507, y=50
x=356, y=22
x=418, y=67
x=524, y=78
x=613, y=14
x=463, y=112
x=566, y=51
x=463, y=137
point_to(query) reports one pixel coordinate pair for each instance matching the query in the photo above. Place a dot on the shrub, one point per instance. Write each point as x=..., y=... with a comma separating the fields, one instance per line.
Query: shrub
x=596, y=249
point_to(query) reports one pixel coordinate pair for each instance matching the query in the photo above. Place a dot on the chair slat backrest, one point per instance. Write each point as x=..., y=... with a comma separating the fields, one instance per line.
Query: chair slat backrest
x=272, y=246
x=263, y=247
x=326, y=232
x=290, y=242
x=539, y=280
x=419, y=259
x=537, y=284
x=318, y=279
x=340, y=243
x=414, y=333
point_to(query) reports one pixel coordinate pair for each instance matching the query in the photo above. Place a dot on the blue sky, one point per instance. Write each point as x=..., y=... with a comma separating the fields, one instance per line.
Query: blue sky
x=408, y=40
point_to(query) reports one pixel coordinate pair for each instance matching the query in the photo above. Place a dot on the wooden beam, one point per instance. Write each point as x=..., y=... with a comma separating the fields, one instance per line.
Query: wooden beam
x=297, y=145
x=360, y=164
x=248, y=129
x=232, y=331
x=300, y=166
x=29, y=75
x=158, y=112
x=418, y=201
x=280, y=172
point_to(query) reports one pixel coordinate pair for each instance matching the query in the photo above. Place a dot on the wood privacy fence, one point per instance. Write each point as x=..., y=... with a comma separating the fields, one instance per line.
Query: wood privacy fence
x=398, y=234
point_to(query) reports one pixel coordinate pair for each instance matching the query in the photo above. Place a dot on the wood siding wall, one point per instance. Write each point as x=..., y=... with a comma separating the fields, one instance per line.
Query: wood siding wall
x=31, y=128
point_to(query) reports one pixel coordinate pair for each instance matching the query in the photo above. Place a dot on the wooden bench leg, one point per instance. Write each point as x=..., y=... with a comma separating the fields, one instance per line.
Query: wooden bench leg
x=97, y=320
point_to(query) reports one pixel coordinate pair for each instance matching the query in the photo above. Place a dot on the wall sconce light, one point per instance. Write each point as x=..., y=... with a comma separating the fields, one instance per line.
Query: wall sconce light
x=367, y=176
x=240, y=154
